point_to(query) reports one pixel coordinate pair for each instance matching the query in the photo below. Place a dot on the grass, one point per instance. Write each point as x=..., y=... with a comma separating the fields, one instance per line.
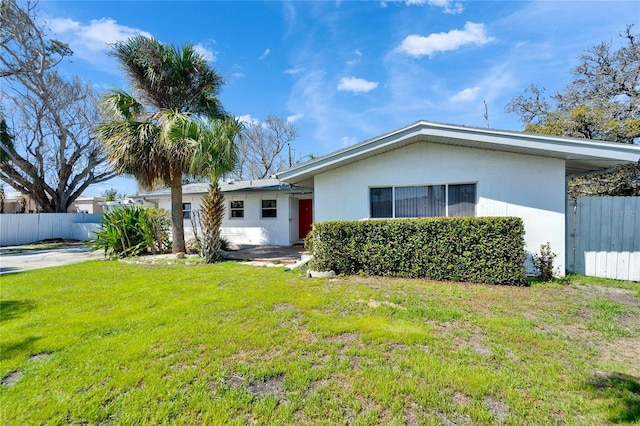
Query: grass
x=111, y=342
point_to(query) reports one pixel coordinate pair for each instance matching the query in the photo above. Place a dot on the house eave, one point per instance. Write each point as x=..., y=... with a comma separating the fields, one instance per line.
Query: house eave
x=229, y=187
x=580, y=155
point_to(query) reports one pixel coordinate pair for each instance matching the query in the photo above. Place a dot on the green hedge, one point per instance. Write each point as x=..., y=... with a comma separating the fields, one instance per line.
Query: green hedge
x=473, y=249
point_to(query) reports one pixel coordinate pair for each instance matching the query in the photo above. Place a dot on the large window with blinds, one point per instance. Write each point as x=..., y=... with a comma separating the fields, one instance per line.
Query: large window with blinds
x=423, y=201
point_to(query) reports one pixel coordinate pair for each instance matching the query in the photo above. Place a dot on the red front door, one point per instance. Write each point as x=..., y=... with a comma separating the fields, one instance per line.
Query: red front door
x=305, y=218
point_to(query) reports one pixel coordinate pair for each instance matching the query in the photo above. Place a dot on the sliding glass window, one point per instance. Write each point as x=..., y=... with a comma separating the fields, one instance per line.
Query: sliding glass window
x=423, y=201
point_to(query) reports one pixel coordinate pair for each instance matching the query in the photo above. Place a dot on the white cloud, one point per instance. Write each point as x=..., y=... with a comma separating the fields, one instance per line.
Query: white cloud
x=348, y=141
x=356, y=85
x=451, y=7
x=466, y=95
x=294, y=118
x=293, y=71
x=208, y=53
x=265, y=54
x=97, y=35
x=248, y=119
x=62, y=25
x=417, y=45
x=357, y=59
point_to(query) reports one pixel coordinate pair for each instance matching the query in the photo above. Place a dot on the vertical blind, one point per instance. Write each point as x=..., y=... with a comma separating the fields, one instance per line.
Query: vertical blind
x=420, y=201
x=462, y=200
x=381, y=199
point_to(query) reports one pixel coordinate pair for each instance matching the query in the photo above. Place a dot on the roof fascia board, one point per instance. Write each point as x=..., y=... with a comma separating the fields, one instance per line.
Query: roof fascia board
x=551, y=146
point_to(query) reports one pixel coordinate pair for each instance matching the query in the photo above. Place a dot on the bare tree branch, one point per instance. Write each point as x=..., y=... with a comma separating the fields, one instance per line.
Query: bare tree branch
x=265, y=148
x=54, y=154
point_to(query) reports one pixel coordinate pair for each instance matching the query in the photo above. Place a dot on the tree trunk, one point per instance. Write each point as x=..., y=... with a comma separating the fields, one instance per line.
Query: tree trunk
x=210, y=220
x=177, y=221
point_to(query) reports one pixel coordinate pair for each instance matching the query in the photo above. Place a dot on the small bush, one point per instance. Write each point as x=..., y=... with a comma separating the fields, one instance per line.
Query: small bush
x=308, y=242
x=543, y=262
x=133, y=230
x=484, y=250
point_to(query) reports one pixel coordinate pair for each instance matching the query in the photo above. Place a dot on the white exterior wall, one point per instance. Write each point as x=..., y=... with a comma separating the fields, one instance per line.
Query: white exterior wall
x=508, y=184
x=252, y=229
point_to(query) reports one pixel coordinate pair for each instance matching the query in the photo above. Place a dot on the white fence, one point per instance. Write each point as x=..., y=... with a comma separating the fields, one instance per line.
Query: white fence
x=18, y=229
x=603, y=237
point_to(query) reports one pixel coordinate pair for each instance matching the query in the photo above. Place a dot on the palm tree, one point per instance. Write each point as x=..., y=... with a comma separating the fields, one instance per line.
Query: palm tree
x=145, y=135
x=216, y=153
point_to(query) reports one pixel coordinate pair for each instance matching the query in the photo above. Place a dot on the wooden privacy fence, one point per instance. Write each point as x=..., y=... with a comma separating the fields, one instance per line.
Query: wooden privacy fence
x=18, y=229
x=603, y=237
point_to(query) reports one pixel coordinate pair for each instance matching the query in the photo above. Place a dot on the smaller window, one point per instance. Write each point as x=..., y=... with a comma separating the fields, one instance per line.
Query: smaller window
x=237, y=209
x=381, y=202
x=186, y=210
x=269, y=208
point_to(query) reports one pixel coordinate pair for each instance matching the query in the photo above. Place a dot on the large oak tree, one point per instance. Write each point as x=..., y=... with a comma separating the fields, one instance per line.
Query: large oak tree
x=48, y=150
x=602, y=101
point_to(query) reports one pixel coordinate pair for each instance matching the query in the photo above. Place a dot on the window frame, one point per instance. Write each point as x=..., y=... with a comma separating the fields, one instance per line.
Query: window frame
x=269, y=208
x=446, y=198
x=186, y=212
x=233, y=209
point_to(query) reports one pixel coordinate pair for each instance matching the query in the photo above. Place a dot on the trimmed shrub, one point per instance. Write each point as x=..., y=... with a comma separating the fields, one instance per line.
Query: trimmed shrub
x=473, y=249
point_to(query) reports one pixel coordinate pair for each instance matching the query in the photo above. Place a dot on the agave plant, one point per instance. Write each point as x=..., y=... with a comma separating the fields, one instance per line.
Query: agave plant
x=132, y=230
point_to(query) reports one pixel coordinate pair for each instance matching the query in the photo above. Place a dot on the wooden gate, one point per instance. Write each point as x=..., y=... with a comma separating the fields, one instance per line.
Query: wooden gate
x=603, y=237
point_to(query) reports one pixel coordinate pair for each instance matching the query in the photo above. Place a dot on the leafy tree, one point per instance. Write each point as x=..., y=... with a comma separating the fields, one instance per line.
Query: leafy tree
x=112, y=194
x=601, y=102
x=265, y=148
x=48, y=150
x=216, y=154
x=148, y=135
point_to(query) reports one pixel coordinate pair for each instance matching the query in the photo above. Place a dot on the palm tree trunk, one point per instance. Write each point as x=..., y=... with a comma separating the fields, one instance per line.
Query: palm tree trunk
x=177, y=221
x=211, y=219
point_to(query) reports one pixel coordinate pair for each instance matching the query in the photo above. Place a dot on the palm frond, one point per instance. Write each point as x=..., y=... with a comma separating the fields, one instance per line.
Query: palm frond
x=120, y=105
x=216, y=149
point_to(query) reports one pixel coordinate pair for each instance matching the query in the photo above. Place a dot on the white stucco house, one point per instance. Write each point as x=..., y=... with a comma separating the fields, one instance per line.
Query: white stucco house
x=431, y=169
x=257, y=212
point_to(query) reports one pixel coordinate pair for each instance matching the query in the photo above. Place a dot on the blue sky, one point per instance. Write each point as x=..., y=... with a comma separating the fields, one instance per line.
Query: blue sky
x=346, y=71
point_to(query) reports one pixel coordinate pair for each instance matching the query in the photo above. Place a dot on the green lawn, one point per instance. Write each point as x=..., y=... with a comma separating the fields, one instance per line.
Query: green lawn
x=109, y=342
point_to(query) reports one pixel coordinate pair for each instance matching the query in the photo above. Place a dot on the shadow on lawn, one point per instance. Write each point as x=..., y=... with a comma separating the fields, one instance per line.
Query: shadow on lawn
x=10, y=309
x=623, y=392
x=8, y=350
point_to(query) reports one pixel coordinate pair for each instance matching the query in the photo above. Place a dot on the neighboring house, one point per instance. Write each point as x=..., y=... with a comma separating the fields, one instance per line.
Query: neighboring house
x=86, y=204
x=16, y=202
x=430, y=169
x=257, y=212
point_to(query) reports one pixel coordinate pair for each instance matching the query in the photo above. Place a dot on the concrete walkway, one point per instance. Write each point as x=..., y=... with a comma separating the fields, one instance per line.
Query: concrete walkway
x=22, y=258
x=269, y=254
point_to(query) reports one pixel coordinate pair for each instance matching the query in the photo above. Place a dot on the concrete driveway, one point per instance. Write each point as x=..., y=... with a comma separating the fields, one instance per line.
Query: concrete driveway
x=23, y=258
